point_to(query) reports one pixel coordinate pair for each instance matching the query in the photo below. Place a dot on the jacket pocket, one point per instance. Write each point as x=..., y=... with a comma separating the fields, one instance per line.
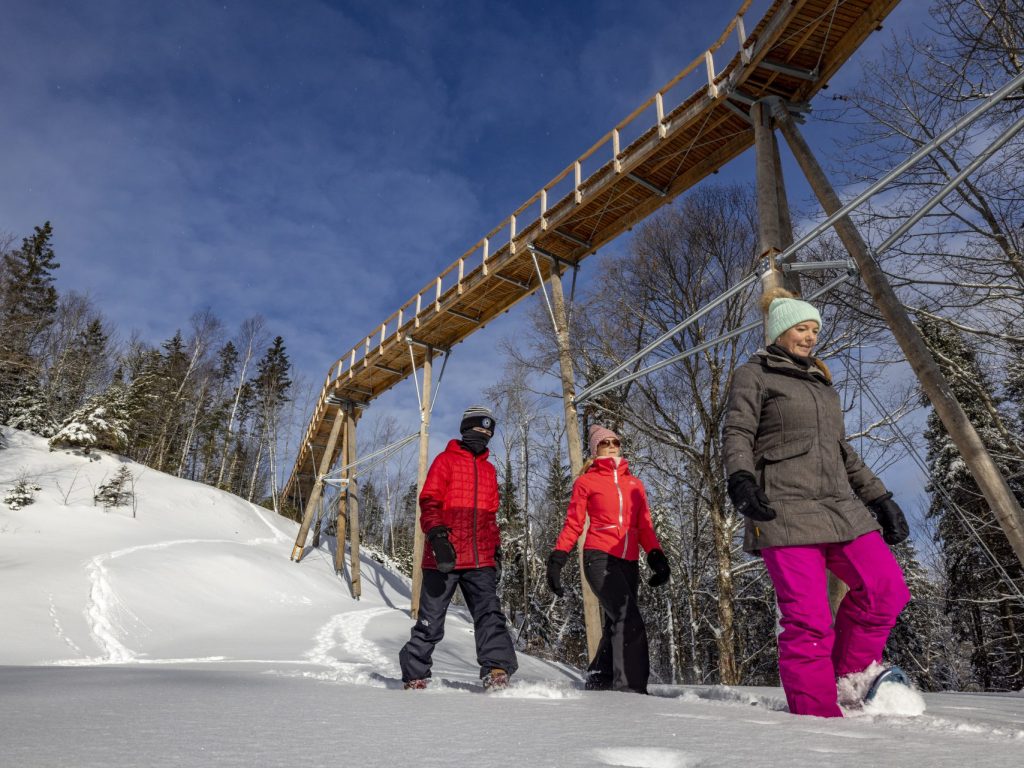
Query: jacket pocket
x=789, y=472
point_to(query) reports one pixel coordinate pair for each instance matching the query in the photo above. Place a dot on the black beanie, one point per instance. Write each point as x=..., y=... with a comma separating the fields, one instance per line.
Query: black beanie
x=477, y=416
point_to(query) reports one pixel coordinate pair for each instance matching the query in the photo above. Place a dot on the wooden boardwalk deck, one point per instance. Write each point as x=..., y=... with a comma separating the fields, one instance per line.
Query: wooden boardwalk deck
x=686, y=131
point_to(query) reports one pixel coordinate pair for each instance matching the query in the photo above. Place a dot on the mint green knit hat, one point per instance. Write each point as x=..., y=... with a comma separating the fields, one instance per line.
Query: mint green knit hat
x=784, y=313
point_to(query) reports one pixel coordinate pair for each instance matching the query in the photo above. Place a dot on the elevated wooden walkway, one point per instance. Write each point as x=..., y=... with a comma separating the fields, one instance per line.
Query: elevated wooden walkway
x=686, y=131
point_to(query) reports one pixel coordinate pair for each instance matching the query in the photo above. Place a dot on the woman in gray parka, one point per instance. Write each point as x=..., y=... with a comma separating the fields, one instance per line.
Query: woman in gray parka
x=806, y=495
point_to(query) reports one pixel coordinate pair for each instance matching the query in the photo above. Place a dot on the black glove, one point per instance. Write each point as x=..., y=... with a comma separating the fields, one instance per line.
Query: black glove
x=889, y=515
x=444, y=552
x=748, y=498
x=497, y=564
x=658, y=563
x=556, y=562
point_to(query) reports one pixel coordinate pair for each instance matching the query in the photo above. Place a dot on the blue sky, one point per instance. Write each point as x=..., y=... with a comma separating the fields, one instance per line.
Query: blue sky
x=316, y=162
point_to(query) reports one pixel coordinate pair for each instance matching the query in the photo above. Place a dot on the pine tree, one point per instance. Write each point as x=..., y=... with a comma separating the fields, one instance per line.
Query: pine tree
x=921, y=642
x=28, y=410
x=271, y=385
x=28, y=302
x=101, y=423
x=515, y=580
x=558, y=624
x=984, y=579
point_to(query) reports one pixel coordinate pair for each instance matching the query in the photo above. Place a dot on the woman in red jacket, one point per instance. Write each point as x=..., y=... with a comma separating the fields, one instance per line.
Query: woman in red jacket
x=620, y=523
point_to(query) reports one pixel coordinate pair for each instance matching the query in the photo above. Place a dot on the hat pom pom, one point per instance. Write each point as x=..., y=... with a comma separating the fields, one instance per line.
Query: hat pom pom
x=772, y=294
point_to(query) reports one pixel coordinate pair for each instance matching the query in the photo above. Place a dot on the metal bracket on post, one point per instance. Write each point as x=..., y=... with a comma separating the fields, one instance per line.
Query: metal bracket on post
x=819, y=266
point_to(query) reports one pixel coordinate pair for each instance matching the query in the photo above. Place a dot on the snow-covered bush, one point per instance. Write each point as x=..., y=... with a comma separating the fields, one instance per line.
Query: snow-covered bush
x=28, y=411
x=21, y=494
x=116, y=492
x=100, y=423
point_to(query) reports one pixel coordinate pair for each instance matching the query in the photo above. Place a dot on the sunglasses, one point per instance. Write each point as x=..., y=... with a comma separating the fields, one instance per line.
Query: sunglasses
x=614, y=443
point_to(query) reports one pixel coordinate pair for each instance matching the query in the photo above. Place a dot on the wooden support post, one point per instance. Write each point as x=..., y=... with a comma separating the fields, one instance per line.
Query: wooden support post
x=421, y=477
x=318, y=488
x=775, y=229
x=990, y=481
x=591, y=608
x=319, y=516
x=342, y=517
x=353, y=510
x=775, y=233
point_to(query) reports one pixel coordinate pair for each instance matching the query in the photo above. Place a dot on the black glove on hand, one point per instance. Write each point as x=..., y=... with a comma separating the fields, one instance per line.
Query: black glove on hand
x=497, y=564
x=444, y=552
x=889, y=515
x=556, y=562
x=748, y=498
x=658, y=563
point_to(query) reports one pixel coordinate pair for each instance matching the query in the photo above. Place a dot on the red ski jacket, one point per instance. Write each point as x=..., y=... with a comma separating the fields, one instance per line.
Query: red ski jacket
x=615, y=500
x=461, y=492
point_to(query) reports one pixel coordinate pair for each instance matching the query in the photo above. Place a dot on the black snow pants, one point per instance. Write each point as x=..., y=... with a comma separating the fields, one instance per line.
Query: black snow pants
x=621, y=662
x=479, y=588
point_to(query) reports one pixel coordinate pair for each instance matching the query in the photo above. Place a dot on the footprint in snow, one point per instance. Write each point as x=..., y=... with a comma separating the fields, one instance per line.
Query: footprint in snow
x=645, y=757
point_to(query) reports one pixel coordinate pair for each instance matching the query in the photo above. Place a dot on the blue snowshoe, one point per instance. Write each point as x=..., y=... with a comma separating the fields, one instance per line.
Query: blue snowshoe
x=890, y=675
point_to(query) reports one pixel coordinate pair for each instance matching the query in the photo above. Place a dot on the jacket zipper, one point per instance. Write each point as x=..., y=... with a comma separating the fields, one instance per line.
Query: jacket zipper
x=476, y=550
x=618, y=490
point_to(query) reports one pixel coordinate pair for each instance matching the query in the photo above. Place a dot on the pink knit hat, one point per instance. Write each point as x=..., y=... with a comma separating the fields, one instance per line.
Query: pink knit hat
x=597, y=434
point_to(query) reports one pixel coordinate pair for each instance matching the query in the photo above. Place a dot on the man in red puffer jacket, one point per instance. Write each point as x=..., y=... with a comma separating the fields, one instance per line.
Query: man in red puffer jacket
x=458, y=514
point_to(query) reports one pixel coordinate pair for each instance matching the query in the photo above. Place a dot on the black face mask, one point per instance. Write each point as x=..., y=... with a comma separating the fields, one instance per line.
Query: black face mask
x=475, y=442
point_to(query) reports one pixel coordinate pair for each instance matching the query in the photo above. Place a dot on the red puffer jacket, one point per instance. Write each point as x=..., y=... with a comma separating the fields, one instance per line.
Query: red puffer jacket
x=461, y=492
x=615, y=500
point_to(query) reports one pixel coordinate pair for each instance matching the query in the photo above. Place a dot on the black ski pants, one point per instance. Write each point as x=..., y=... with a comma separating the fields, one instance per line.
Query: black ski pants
x=480, y=589
x=622, y=661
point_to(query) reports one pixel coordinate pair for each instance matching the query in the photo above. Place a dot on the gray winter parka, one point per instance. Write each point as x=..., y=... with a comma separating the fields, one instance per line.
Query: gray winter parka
x=784, y=425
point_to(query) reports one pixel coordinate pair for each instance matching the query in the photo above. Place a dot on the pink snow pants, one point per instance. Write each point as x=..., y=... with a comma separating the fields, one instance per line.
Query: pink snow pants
x=813, y=652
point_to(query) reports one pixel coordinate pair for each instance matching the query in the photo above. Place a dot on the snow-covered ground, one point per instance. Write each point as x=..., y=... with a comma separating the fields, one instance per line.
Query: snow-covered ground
x=184, y=635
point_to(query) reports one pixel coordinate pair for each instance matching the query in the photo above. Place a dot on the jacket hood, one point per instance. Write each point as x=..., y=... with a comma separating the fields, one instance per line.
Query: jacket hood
x=784, y=364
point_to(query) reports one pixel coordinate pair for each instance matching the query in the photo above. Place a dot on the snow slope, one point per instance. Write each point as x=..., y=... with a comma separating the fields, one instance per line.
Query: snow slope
x=185, y=636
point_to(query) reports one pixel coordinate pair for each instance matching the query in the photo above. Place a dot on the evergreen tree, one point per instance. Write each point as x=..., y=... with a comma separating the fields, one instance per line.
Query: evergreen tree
x=272, y=375
x=101, y=423
x=28, y=302
x=402, y=530
x=921, y=642
x=514, y=588
x=28, y=410
x=558, y=624
x=372, y=527
x=141, y=368
x=271, y=385
x=984, y=579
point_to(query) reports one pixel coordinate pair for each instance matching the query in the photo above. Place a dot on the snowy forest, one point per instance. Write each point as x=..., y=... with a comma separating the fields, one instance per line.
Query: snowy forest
x=221, y=407
x=202, y=405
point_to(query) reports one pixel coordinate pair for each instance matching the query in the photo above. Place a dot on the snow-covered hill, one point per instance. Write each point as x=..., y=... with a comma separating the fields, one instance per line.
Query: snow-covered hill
x=177, y=631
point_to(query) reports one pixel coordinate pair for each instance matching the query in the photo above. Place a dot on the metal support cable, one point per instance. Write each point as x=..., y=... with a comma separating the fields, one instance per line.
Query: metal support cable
x=599, y=386
x=415, y=378
x=1004, y=138
x=364, y=468
x=923, y=466
x=699, y=348
x=544, y=290
x=387, y=449
x=437, y=386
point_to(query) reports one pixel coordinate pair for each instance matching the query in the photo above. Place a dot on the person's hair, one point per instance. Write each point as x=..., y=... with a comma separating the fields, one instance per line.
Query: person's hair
x=586, y=465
